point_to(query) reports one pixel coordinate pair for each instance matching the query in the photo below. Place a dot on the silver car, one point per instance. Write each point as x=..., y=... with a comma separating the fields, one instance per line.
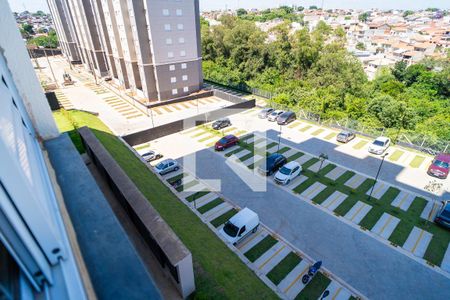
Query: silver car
x=151, y=155
x=345, y=136
x=167, y=166
x=265, y=112
x=274, y=115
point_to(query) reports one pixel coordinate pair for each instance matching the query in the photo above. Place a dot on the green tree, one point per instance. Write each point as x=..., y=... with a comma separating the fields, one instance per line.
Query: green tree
x=240, y=12
x=313, y=7
x=360, y=46
x=399, y=70
x=28, y=29
x=364, y=17
x=407, y=13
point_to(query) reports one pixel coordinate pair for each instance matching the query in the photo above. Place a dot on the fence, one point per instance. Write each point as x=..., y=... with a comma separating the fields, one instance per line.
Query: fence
x=241, y=87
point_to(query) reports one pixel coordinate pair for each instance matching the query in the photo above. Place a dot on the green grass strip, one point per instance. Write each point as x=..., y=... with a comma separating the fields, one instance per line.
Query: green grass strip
x=197, y=195
x=323, y=195
x=315, y=288
x=309, y=163
x=210, y=205
x=396, y=155
x=304, y=185
x=341, y=180
x=187, y=185
x=378, y=208
x=360, y=144
x=175, y=178
x=295, y=156
x=318, y=131
x=199, y=133
x=401, y=233
x=330, y=136
x=223, y=218
x=294, y=124
x=206, y=138
x=303, y=129
x=346, y=205
x=260, y=248
x=286, y=265
x=417, y=161
x=327, y=169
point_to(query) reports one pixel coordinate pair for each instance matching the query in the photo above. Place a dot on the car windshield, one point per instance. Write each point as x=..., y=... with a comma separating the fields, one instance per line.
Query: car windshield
x=441, y=164
x=342, y=135
x=230, y=229
x=161, y=166
x=274, y=113
x=378, y=143
x=446, y=213
x=285, y=171
x=223, y=141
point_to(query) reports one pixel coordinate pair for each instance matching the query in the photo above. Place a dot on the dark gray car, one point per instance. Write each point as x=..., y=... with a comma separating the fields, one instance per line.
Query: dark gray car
x=286, y=118
x=443, y=216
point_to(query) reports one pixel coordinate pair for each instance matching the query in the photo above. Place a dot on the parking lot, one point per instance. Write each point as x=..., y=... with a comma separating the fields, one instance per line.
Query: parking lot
x=327, y=213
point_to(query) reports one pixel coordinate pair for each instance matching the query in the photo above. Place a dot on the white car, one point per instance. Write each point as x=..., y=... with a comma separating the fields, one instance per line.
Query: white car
x=240, y=225
x=149, y=155
x=379, y=145
x=167, y=166
x=274, y=115
x=288, y=172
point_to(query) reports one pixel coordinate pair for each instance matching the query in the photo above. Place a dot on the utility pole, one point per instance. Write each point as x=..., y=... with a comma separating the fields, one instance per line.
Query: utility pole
x=376, y=177
x=279, y=139
x=51, y=69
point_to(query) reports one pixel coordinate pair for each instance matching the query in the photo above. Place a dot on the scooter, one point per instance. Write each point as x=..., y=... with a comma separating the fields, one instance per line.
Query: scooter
x=311, y=272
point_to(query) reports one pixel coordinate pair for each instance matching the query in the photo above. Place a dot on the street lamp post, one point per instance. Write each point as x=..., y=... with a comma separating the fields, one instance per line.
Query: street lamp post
x=322, y=158
x=376, y=177
x=279, y=139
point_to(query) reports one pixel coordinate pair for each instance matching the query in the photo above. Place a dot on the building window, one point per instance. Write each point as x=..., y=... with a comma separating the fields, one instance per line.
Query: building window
x=170, y=54
x=172, y=68
x=179, y=12
x=168, y=41
x=173, y=79
x=182, y=53
x=186, y=89
x=167, y=27
x=180, y=26
x=183, y=66
x=181, y=40
x=165, y=12
x=185, y=77
x=174, y=91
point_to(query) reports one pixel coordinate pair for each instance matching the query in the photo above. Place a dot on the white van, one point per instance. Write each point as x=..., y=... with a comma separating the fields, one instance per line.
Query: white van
x=240, y=225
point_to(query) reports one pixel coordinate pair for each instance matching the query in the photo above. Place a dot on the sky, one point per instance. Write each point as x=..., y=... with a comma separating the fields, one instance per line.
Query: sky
x=34, y=5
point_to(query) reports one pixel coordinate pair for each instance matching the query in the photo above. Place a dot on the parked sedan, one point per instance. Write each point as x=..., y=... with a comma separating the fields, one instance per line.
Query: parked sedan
x=221, y=123
x=167, y=166
x=288, y=172
x=274, y=115
x=150, y=155
x=265, y=112
x=443, y=216
x=286, y=118
x=226, y=142
x=379, y=145
x=345, y=136
x=272, y=163
x=440, y=166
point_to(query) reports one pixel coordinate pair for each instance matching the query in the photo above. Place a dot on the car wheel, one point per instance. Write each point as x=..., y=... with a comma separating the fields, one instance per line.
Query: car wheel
x=288, y=181
x=176, y=168
x=255, y=229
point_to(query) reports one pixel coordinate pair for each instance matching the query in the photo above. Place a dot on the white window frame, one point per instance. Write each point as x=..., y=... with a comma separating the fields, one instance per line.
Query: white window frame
x=174, y=91
x=182, y=53
x=181, y=40
x=186, y=89
x=168, y=41
x=180, y=26
x=172, y=68
x=167, y=27
x=170, y=54
x=173, y=79
x=184, y=77
x=165, y=12
x=179, y=12
x=183, y=66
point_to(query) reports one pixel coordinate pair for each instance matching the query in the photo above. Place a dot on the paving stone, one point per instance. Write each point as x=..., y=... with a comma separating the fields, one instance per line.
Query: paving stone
x=337, y=291
x=430, y=210
x=304, y=158
x=275, y=260
x=417, y=241
x=230, y=149
x=290, y=152
x=261, y=142
x=252, y=160
x=445, y=265
x=378, y=190
x=271, y=256
x=315, y=167
x=217, y=211
x=292, y=284
x=272, y=148
x=251, y=240
x=403, y=200
x=385, y=225
x=358, y=212
x=313, y=190
x=355, y=181
x=335, y=173
x=242, y=153
x=205, y=199
x=334, y=200
x=298, y=180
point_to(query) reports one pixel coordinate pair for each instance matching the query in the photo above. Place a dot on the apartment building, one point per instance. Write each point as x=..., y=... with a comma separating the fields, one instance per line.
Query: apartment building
x=149, y=48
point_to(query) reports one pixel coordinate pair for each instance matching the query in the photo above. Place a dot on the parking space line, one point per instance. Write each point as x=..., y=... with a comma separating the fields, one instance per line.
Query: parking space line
x=357, y=212
x=272, y=256
x=333, y=200
x=296, y=279
x=165, y=108
x=418, y=240
x=338, y=291
x=240, y=246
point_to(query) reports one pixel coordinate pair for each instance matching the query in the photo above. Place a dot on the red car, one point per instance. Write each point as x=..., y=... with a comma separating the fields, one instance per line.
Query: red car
x=226, y=142
x=440, y=166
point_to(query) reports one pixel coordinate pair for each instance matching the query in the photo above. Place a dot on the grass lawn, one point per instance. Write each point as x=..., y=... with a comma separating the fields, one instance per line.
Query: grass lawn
x=360, y=144
x=187, y=185
x=259, y=249
x=219, y=273
x=175, y=178
x=396, y=155
x=303, y=129
x=323, y=195
x=286, y=265
x=295, y=156
x=210, y=205
x=417, y=161
x=294, y=124
x=304, y=185
x=206, y=138
x=318, y=131
x=330, y=136
x=309, y=163
x=315, y=288
x=223, y=218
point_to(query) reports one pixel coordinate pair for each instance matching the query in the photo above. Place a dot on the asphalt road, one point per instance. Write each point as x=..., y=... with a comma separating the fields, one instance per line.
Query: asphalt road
x=365, y=263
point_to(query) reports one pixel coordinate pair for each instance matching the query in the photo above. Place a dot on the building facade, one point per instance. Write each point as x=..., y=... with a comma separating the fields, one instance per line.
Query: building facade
x=149, y=48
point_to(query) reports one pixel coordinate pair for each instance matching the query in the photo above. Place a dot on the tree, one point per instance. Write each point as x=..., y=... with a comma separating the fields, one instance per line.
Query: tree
x=360, y=46
x=48, y=41
x=399, y=70
x=364, y=17
x=240, y=12
x=28, y=29
x=313, y=7
x=407, y=13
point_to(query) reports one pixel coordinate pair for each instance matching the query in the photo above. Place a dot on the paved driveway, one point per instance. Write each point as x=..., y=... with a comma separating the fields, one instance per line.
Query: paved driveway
x=365, y=263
